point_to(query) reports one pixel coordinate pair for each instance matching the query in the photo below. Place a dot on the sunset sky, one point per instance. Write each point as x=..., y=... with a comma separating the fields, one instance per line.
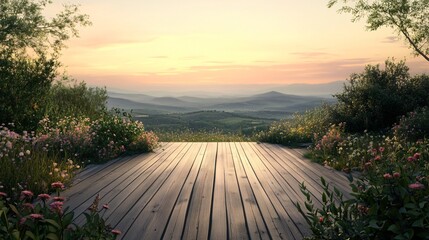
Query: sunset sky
x=135, y=45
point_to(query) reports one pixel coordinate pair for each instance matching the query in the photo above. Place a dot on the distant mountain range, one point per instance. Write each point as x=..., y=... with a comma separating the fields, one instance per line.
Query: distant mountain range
x=272, y=101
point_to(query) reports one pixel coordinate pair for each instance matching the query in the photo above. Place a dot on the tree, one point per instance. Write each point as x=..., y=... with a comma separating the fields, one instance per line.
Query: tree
x=30, y=46
x=409, y=18
x=375, y=99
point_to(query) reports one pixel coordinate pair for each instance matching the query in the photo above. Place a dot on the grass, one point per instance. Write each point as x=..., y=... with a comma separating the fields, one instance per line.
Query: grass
x=202, y=136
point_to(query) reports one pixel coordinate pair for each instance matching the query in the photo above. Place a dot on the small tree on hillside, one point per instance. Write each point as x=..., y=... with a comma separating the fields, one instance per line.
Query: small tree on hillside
x=30, y=46
x=408, y=18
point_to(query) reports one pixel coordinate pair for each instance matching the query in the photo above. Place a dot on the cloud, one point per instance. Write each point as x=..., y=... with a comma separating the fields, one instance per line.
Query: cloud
x=310, y=54
x=390, y=39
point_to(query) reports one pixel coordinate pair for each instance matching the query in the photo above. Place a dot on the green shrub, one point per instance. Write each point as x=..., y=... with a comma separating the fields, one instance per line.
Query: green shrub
x=414, y=126
x=24, y=85
x=375, y=99
x=390, y=198
x=301, y=128
x=75, y=100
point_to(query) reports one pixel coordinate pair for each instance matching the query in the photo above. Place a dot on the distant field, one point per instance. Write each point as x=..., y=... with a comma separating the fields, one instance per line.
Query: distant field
x=207, y=121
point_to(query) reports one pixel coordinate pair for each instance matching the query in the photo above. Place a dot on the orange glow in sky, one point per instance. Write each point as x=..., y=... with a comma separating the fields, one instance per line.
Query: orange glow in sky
x=138, y=43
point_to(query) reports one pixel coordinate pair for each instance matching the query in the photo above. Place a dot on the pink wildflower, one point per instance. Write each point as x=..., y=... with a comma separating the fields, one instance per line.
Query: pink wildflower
x=411, y=159
x=58, y=185
x=3, y=195
x=44, y=196
x=381, y=149
x=26, y=194
x=36, y=216
x=57, y=206
x=416, y=186
x=28, y=206
x=59, y=199
x=387, y=176
x=417, y=155
x=396, y=175
x=116, y=232
x=321, y=220
x=377, y=158
x=22, y=220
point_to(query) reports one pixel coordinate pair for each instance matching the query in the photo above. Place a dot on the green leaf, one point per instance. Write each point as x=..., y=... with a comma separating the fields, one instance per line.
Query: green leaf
x=52, y=236
x=15, y=234
x=373, y=224
x=30, y=235
x=394, y=228
x=419, y=223
x=53, y=223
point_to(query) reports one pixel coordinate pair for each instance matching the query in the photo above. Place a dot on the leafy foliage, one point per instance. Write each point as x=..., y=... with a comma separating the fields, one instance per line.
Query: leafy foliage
x=376, y=98
x=407, y=18
x=43, y=217
x=301, y=128
x=75, y=100
x=414, y=126
x=30, y=46
x=390, y=198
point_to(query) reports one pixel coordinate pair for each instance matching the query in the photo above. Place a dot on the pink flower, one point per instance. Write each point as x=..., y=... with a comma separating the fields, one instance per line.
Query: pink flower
x=387, y=176
x=59, y=199
x=106, y=206
x=36, y=216
x=416, y=186
x=22, y=220
x=57, y=206
x=381, y=149
x=321, y=220
x=26, y=194
x=44, y=196
x=417, y=155
x=28, y=206
x=377, y=158
x=396, y=175
x=9, y=144
x=58, y=185
x=411, y=159
x=116, y=232
x=3, y=195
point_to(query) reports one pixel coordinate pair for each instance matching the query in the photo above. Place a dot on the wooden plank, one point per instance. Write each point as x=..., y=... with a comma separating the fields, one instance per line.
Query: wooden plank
x=258, y=227
x=274, y=212
x=178, y=217
x=198, y=216
x=307, y=171
x=110, y=189
x=152, y=220
x=127, y=205
x=219, y=230
x=236, y=221
x=278, y=190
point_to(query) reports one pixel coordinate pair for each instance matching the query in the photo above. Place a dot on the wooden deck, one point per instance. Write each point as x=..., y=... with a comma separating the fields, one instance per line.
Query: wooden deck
x=204, y=191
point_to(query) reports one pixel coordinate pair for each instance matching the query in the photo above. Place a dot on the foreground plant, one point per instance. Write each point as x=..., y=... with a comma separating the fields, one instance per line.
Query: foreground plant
x=43, y=217
x=390, y=199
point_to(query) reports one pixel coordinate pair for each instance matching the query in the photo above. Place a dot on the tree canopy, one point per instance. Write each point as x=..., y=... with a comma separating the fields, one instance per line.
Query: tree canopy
x=30, y=46
x=408, y=18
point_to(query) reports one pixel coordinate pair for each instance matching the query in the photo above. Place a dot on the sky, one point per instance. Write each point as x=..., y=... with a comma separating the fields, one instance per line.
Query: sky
x=145, y=45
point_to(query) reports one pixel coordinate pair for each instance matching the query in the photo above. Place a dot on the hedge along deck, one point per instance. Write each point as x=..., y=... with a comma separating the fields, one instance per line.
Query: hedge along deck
x=235, y=190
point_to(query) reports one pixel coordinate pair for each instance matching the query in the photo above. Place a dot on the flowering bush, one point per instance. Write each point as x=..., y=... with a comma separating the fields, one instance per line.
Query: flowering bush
x=23, y=166
x=43, y=217
x=99, y=140
x=414, y=126
x=391, y=198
